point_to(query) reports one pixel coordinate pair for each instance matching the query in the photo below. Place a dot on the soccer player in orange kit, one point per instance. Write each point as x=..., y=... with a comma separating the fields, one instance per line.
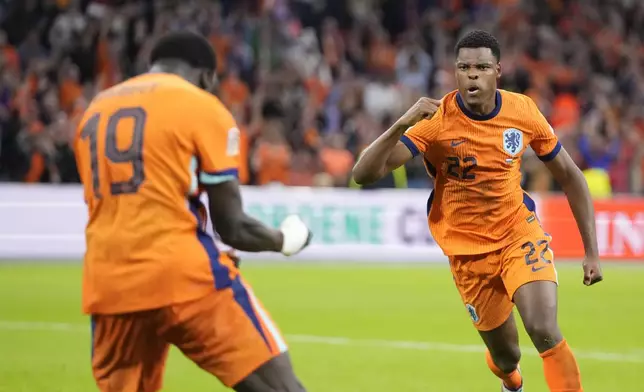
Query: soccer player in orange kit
x=471, y=142
x=152, y=277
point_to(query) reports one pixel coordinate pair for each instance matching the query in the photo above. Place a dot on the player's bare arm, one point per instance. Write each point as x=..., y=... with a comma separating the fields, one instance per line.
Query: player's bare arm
x=573, y=183
x=243, y=232
x=387, y=153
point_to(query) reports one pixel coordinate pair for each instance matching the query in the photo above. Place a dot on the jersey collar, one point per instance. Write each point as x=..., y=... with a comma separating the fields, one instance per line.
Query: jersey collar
x=478, y=117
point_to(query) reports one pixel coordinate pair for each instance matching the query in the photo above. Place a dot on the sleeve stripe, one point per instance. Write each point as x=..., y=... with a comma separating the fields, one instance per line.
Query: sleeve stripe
x=550, y=156
x=213, y=178
x=410, y=145
x=226, y=172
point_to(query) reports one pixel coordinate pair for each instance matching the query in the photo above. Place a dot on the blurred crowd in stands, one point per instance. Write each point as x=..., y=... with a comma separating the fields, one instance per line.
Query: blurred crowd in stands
x=312, y=82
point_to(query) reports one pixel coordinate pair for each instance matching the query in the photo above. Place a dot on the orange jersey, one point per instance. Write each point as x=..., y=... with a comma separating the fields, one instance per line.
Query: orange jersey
x=478, y=205
x=142, y=149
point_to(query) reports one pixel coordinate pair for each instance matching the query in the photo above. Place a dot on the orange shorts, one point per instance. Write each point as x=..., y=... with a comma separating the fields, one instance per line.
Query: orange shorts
x=487, y=282
x=227, y=333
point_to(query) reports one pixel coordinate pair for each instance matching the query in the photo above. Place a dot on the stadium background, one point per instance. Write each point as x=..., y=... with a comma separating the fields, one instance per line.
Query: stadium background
x=311, y=83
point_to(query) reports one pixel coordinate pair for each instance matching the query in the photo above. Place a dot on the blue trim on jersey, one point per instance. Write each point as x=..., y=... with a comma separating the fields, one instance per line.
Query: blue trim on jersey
x=430, y=168
x=529, y=203
x=243, y=299
x=92, y=325
x=410, y=145
x=552, y=155
x=227, y=172
x=498, y=100
x=220, y=272
x=430, y=200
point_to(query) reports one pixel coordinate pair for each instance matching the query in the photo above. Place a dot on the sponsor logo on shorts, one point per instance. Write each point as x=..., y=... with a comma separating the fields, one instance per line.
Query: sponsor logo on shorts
x=536, y=269
x=472, y=311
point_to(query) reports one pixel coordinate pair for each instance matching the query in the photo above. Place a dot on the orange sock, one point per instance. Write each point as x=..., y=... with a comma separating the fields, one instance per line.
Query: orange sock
x=561, y=370
x=511, y=381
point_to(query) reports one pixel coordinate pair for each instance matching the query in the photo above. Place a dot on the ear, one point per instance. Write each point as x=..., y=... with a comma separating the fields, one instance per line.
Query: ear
x=498, y=70
x=207, y=81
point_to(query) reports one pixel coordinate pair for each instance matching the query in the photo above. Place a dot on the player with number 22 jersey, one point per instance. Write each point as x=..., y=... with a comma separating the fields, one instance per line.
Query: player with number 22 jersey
x=472, y=142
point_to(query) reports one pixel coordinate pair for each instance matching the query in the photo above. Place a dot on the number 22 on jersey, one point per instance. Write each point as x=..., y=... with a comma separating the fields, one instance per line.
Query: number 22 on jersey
x=111, y=155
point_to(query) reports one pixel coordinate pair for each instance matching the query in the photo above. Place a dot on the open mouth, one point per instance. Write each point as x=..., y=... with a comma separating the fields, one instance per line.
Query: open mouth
x=473, y=90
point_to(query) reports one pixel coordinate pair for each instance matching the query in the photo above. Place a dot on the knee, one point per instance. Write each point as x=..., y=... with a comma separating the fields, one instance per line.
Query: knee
x=507, y=359
x=544, y=333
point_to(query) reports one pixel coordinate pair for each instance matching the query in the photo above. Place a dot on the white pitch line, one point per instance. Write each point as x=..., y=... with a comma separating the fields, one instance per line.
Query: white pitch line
x=635, y=357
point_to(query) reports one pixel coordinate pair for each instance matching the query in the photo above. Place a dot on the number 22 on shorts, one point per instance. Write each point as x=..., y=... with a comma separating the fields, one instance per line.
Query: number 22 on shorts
x=132, y=155
x=531, y=259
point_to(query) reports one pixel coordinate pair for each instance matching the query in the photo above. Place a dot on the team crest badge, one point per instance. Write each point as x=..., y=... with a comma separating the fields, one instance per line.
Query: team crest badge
x=512, y=141
x=472, y=311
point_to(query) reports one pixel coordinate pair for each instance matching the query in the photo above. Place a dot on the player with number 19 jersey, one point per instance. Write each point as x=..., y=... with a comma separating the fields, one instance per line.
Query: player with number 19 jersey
x=138, y=148
x=152, y=276
x=478, y=210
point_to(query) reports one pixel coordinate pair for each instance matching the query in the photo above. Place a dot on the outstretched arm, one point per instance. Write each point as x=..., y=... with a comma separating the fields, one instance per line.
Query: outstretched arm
x=245, y=233
x=216, y=140
x=573, y=183
x=237, y=229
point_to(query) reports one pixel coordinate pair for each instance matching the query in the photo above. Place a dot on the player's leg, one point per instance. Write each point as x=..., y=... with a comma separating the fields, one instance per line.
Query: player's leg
x=478, y=279
x=503, y=353
x=127, y=354
x=275, y=375
x=230, y=335
x=531, y=279
x=537, y=304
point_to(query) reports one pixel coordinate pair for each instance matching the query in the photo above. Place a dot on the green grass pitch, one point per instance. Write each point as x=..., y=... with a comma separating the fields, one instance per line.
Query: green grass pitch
x=351, y=328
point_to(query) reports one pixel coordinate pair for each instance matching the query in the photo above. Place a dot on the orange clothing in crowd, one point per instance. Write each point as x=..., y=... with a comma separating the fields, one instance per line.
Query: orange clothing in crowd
x=565, y=112
x=37, y=162
x=70, y=91
x=318, y=90
x=273, y=163
x=244, y=144
x=234, y=91
x=336, y=162
x=221, y=44
x=11, y=57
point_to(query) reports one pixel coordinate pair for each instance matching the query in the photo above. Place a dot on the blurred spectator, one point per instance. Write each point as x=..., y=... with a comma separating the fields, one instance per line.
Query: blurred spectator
x=414, y=66
x=336, y=159
x=234, y=91
x=382, y=98
x=311, y=84
x=272, y=157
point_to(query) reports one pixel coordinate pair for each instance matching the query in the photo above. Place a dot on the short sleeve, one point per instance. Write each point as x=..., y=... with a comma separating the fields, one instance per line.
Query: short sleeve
x=419, y=137
x=217, y=140
x=544, y=141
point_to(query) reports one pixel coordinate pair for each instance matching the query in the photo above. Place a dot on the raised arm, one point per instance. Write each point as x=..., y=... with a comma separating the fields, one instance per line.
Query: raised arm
x=387, y=153
x=381, y=158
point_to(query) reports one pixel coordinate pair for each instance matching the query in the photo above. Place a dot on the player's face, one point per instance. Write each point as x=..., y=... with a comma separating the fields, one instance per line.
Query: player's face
x=477, y=73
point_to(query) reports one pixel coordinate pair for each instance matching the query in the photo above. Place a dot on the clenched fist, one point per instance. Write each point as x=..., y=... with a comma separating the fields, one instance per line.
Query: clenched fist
x=425, y=108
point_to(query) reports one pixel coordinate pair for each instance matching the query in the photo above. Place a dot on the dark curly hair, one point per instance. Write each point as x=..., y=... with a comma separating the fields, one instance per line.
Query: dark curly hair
x=479, y=39
x=186, y=46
